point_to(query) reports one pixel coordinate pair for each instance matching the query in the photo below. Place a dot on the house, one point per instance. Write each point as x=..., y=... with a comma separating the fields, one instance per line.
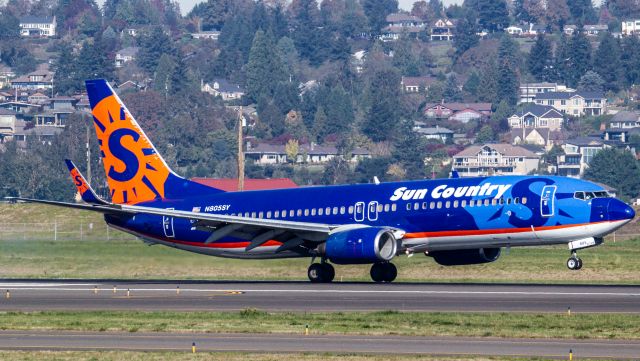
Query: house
x=514, y=30
x=400, y=23
x=132, y=32
x=595, y=30
x=625, y=120
x=42, y=78
x=462, y=112
x=25, y=130
x=357, y=60
x=534, y=29
x=576, y=104
x=569, y=29
x=438, y=133
x=442, y=30
x=528, y=91
x=630, y=27
x=126, y=55
x=231, y=184
x=6, y=74
x=416, y=84
x=264, y=154
x=7, y=124
x=22, y=109
x=38, y=98
x=208, y=35
x=577, y=155
x=539, y=125
x=222, y=88
x=495, y=159
x=37, y=26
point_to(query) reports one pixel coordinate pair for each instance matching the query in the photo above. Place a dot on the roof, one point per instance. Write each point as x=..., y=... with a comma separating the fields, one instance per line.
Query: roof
x=5, y=111
x=36, y=19
x=585, y=141
x=418, y=80
x=231, y=184
x=569, y=95
x=540, y=111
x=538, y=85
x=502, y=148
x=596, y=27
x=128, y=51
x=226, y=86
x=434, y=131
x=626, y=116
x=481, y=107
x=392, y=18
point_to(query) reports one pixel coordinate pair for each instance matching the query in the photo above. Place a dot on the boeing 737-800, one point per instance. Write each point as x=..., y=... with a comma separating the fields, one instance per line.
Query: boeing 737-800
x=456, y=221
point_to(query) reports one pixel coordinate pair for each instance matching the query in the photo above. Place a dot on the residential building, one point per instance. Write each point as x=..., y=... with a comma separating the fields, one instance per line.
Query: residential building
x=462, y=112
x=575, y=104
x=222, y=88
x=514, y=30
x=357, y=59
x=537, y=124
x=577, y=155
x=38, y=98
x=438, y=133
x=132, y=32
x=6, y=74
x=534, y=29
x=209, y=35
x=126, y=55
x=631, y=27
x=36, y=26
x=528, y=91
x=569, y=29
x=416, y=84
x=595, y=30
x=399, y=24
x=625, y=120
x=308, y=153
x=495, y=159
x=7, y=124
x=442, y=30
x=25, y=130
x=42, y=78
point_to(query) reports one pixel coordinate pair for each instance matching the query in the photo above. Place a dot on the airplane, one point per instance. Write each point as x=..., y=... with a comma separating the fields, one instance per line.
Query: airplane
x=455, y=221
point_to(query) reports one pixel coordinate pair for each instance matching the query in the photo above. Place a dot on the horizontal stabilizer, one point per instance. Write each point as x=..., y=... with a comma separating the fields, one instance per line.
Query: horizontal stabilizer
x=87, y=194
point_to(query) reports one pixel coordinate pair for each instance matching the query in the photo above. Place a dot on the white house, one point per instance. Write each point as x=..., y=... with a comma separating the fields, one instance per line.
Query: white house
x=537, y=124
x=495, y=159
x=209, y=35
x=442, y=29
x=578, y=153
x=514, y=30
x=630, y=27
x=222, y=88
x=126, y=55
x=38, y=26
x=399, y=23
x=576, y=104
x=529, y=91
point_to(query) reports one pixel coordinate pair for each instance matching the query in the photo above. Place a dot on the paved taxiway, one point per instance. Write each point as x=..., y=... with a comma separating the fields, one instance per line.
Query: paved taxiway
x=303, y=296
x=64, y=340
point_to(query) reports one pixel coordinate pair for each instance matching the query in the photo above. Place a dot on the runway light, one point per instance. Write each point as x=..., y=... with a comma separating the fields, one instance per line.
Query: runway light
x=306, y=330
x=569, y=311
x=193, y=347
x=570, y=355
x=178, y=290
x=114, y=289
x=8, y=294
x=128, y=293
x=95, y=290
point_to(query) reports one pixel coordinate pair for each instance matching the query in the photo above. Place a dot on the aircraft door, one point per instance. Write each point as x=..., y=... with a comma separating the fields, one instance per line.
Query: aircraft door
x=547, y=201
x=167, y=226
x=372, y=212
x=359, y=212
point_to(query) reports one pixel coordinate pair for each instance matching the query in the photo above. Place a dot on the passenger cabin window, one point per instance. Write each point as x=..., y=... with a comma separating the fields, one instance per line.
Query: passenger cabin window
x=342, y=210
x=394, y=207
x=386, y=208
x=320, y=211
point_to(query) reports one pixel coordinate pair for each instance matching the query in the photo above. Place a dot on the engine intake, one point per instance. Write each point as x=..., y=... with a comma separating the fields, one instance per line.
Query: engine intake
x=360, y=245
x=466, y=256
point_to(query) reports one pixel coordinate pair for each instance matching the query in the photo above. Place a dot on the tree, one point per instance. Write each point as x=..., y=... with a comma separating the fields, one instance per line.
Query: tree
x=507, y=81
x=452, y=92
x=500, y=118
x=624, y=8
x=472, y=85
x=152, y=46
x=9, y=26
x=377, y=11
x=164, y=74
x=617, y=168
x=492, y=14
x=540, y=59
x=630, y=60
x=591, y=81
x=409, y=151
x=579, y=58
x=606, y=62
x=489, y=81
x=556, y=13
x=465, y=33
x=582, y=11
x=383, y=115
x=404, y=59
x=292, y=149
x=67, y=78
x=562, y=60
x=265, y=68
x=485, y=135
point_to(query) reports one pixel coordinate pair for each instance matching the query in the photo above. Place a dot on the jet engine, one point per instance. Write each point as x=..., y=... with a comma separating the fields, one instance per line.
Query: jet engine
x=466, y=256
x=360, y=245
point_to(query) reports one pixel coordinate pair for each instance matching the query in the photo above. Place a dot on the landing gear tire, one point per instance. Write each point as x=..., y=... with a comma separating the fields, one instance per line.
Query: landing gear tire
x=383, y=272
x=321, y=273
x=574, y=263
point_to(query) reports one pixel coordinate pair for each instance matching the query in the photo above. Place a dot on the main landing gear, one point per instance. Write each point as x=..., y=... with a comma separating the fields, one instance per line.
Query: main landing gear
x=321, y=272
x=574, y=262
x=383, y=272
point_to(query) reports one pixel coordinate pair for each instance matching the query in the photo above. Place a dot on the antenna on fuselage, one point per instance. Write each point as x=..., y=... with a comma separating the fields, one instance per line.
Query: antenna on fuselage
x=376, y=181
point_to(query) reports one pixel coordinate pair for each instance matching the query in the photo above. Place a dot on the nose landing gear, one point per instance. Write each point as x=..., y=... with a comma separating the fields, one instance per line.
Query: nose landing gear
x=574, y=262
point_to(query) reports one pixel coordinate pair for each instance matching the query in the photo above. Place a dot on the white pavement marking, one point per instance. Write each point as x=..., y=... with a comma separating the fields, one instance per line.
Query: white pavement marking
x=43, y=285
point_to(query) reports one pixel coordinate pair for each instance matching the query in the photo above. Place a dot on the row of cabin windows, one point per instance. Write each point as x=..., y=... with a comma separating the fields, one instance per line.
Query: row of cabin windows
x=470, y=204
x=311, y=212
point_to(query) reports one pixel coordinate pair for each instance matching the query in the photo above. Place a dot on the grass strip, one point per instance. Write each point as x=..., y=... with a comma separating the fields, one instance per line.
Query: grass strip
x=227, y=356
x=576, y=326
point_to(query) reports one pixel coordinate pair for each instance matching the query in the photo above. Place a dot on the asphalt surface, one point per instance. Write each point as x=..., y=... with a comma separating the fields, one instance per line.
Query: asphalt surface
x=306, y=297
x=64, y=340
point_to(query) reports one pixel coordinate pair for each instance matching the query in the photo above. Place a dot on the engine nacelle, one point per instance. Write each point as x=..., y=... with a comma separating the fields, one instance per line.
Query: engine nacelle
x=360, y=245
x=466, y=256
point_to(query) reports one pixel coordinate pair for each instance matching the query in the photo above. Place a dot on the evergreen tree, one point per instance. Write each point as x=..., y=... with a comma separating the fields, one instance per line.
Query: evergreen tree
x=472, y=85
x=465, y=33
x=377, y=11
x=507, y=81
x=9, y=26
x=265, y=68
x=236, y=38
x=404, y=59
x=320, y=124
x=383, y=115
x=452, y=92
x=353, y=21
x=152, y=46
x=607, y=63
x=492, y=14
x=163, y=75
x=339, y=110
x=540, y=59
x=408, y=151
x=591, y=81
x=618, y=168
x=489, y=81
x=485, y=135
x=582, y=12
x=562, y=60
x=630, y=60
x=500, y=118
x=579, y=58
x=67, y=78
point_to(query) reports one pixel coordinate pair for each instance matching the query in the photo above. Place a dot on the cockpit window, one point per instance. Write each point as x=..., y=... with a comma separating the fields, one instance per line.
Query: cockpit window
x=602, y=194
x=590, y=195
x=578, y=195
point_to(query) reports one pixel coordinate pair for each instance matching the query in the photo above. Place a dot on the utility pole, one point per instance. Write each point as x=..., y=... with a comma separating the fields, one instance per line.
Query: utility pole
x=88, y=156
x=240, y=153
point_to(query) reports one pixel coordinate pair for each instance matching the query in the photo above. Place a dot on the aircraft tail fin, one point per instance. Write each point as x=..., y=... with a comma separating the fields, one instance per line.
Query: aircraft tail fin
x=85, y=190
x=135, y=170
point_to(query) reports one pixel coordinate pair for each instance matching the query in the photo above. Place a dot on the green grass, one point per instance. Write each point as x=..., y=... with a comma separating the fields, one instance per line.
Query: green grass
x=576, y=326
x=29, y=253
x=226, y=356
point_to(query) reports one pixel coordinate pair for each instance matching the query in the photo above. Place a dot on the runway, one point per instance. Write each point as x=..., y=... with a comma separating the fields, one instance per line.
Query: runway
x=65, y=340
x=21, y=295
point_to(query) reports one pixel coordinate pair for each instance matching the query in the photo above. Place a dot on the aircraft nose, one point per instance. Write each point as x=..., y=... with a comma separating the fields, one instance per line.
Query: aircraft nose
x=620, y=211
